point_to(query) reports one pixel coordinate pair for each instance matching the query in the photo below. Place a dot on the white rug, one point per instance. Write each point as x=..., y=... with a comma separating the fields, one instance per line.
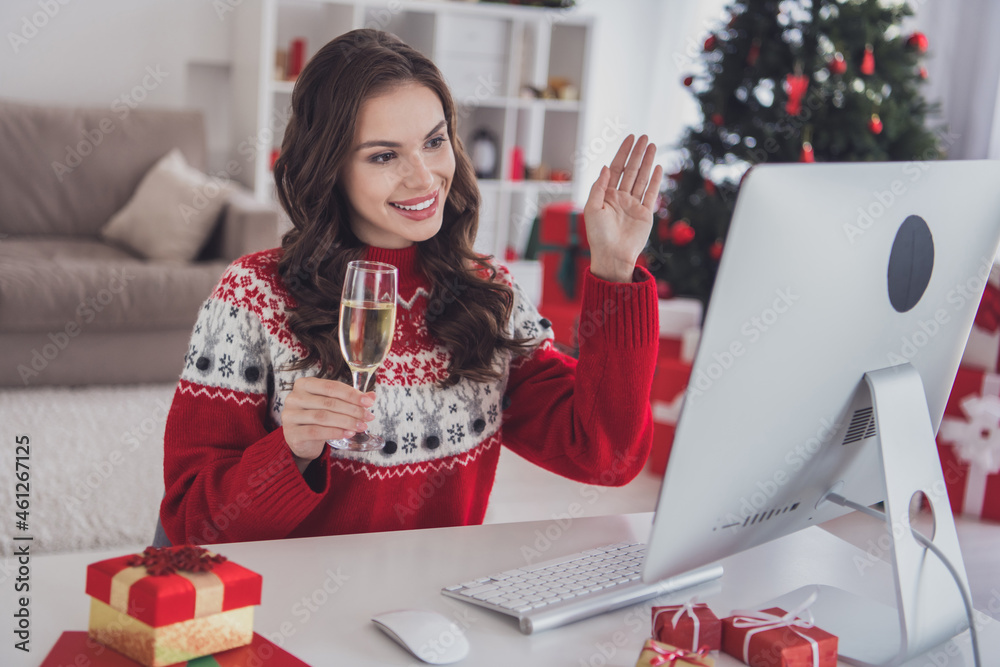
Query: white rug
x=96, y=468
x=96, y=465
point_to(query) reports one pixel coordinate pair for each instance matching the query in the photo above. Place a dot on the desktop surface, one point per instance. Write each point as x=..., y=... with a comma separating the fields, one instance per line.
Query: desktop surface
x=320, y=593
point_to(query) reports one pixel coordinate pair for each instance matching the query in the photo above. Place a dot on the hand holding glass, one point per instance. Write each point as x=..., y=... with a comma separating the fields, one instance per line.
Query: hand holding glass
x=367, y=324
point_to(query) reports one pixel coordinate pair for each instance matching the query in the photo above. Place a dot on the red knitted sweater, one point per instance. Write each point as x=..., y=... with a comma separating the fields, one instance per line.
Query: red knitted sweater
x=230, y=476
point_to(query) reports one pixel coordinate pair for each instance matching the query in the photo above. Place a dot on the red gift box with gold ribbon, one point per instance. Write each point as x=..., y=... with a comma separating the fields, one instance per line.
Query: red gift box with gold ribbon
x=658, y=654
x=170, y=605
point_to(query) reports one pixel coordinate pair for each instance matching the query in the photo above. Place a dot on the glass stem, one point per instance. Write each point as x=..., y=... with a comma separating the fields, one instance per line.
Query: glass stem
x=361, y=379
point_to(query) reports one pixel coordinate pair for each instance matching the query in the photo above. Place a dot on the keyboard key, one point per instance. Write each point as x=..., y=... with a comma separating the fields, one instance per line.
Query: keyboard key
x=453, y=588
x=476, y=590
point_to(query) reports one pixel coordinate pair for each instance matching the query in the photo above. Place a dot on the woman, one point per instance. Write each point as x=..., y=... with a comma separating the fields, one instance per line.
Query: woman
x=371, y=167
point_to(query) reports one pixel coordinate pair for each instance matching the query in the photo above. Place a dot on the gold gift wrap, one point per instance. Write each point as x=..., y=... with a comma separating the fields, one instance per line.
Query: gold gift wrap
x=155, y=610
x=658, y=654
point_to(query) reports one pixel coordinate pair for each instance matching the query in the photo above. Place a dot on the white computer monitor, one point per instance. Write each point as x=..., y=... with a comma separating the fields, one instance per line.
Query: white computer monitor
x=837, y=282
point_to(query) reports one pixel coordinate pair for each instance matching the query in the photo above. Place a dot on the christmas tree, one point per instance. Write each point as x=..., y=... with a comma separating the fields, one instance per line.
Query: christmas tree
x=787, y=81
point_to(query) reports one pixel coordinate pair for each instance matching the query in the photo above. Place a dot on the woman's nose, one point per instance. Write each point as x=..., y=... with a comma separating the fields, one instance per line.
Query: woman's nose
x=418, y=175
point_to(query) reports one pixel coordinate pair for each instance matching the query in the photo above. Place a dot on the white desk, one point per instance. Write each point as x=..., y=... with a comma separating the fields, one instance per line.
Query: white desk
x=349, y=578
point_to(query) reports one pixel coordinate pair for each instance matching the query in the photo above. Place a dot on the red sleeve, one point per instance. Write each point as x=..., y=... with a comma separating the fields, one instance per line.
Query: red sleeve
x=227, y=478
x=228, y=474
x=590, y=420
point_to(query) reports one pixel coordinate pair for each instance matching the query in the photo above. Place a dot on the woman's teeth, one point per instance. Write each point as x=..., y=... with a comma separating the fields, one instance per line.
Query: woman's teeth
x=419, y=207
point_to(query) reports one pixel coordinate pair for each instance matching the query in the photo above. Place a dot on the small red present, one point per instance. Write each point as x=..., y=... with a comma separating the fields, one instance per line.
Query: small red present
x=170, y=605
x=776, y=638
x=658, y=654
x=969, y=444
x=667, y=397
x=691, y=624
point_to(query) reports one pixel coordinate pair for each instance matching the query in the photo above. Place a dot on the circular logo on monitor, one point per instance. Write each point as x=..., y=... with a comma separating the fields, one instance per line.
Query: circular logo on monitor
x=910, y=263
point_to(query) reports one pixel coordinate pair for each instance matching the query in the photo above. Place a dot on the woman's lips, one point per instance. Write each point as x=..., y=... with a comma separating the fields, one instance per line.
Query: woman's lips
x=428, y=207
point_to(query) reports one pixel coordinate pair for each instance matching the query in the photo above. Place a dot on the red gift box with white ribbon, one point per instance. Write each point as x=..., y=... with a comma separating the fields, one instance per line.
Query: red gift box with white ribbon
x=969, y=444
x=776, y=638
x=691, y=625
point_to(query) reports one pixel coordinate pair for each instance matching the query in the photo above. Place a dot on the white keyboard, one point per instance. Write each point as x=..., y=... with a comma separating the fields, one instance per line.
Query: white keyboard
x=562, y=590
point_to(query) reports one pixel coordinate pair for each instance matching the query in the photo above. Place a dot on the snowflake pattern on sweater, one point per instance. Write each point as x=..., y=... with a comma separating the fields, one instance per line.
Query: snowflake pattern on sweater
x=242, y=343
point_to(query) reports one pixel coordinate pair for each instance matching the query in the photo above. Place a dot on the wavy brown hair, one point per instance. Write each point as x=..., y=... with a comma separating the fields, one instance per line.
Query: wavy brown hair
x=470, y=309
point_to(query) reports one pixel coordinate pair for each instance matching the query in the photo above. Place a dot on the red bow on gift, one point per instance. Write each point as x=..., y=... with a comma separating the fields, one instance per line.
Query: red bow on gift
x=160, y=561
x=665, y=657
x=988, y=315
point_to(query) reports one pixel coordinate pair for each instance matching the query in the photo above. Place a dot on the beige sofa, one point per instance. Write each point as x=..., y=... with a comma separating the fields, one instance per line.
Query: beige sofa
x=76, y=309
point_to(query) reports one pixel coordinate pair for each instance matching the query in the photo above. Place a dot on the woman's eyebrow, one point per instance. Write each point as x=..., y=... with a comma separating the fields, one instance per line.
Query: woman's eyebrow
x=394, y=144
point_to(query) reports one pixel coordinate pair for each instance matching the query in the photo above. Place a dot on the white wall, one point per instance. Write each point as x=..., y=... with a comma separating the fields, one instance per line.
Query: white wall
x=642, y=50
x=94, y=52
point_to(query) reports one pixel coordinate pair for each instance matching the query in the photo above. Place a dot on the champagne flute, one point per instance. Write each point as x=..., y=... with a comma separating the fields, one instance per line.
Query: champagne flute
x=367, y=324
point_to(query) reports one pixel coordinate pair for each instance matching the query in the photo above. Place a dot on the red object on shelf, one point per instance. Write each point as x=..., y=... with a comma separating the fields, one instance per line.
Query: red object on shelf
x=516, y=164
x=296, y=57
x=563, y=250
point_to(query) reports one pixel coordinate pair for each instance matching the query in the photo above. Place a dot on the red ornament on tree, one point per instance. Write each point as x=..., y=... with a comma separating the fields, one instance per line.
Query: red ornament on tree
x=715, y=250
x=663, y=289
x=837, y=65
x=923, y=72
x=681, y=233
x=754, y=52
x=868, y=61
x=688, y=80
x=807, y=153
x=710, y=188
x=875, y=124
x=663, y=229
x=796, y=84
x=918, y=41
x=717, y=118
x=710, y=43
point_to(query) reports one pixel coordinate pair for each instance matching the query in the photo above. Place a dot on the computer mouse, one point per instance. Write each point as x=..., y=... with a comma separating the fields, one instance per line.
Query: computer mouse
x=430, y=636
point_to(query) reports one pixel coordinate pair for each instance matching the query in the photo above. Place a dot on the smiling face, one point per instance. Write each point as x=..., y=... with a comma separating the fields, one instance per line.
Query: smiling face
x=401, y=168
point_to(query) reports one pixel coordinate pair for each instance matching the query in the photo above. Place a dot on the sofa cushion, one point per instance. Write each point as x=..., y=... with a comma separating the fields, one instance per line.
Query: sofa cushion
x=51, y=284
x=172, y=212
x=66, y=171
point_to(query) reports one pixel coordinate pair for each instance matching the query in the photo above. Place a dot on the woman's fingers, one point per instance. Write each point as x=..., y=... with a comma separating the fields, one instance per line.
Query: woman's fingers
x=629, y=175
x=596, y=199
x=642, y=177
x=317, y=410
x=618, y=163
x=653, y=189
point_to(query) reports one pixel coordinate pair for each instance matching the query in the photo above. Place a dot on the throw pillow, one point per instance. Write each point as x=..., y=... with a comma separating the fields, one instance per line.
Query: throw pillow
x=171, y=213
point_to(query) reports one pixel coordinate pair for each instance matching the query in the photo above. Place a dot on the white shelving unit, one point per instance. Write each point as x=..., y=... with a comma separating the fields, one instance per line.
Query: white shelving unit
x=488, y=53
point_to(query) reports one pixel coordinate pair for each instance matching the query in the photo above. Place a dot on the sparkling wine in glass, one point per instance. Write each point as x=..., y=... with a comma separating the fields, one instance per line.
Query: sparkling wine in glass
x=367, y=323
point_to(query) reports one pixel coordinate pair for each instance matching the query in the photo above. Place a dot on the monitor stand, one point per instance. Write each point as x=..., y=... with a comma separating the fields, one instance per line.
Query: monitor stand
x=929, y=609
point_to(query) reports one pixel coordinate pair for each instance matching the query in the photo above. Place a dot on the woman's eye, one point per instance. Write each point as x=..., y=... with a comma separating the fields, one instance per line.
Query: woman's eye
x=435, y=142
x=382, y=158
